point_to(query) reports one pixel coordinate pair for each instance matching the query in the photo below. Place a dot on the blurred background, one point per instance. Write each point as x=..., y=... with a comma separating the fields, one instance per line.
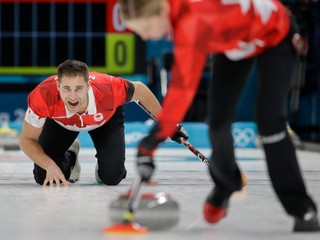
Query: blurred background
x=37, y=35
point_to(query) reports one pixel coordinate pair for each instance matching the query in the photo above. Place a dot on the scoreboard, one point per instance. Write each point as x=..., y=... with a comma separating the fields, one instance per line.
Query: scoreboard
x=37, y=35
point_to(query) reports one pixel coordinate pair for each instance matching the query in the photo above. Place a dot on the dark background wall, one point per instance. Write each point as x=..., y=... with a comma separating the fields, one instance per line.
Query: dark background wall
x=35, y=36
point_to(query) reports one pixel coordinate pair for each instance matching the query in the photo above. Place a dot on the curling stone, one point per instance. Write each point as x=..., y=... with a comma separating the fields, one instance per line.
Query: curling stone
x=9, y=138
x=155, y=210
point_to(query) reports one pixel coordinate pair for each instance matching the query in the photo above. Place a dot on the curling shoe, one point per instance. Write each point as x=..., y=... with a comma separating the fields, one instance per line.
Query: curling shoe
x=212, y=211
x=308, y=222
x=75, y=170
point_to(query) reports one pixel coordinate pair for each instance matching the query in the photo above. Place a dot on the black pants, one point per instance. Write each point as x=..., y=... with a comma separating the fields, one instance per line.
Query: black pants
x=108, y=141
x=275, y=67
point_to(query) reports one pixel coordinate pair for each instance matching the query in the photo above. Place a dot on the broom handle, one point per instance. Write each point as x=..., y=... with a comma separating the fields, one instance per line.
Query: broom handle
x=133, y=200
x=185, y=142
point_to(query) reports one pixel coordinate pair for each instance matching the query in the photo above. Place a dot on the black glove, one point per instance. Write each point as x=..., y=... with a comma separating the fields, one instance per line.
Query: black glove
x=146, y=149
x=145, y=167
x=180, y=133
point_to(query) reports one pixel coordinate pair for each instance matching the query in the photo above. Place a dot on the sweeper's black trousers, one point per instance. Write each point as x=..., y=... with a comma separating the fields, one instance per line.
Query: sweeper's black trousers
x=275, y=67
x=108, y=141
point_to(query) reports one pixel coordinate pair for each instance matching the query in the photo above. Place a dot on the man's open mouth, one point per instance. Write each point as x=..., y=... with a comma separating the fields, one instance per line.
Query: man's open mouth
x=73, y=104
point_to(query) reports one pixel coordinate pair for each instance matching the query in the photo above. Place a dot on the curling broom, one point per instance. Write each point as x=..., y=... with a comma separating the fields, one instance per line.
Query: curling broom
x=127, y=225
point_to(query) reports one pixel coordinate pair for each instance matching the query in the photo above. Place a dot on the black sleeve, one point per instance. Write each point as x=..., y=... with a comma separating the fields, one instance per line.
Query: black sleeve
x=130, y=90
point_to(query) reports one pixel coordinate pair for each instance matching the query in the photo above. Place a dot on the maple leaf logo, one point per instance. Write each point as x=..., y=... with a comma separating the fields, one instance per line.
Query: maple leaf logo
x=263, y=8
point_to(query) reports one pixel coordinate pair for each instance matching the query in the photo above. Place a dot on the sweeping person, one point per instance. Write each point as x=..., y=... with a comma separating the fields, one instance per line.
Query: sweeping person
x=241, y=33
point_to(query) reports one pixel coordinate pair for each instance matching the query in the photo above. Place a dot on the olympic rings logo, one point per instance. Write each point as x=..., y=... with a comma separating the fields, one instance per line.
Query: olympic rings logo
x=243, y=136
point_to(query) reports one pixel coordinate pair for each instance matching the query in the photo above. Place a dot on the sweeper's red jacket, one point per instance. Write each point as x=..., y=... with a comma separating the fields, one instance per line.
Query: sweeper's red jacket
x=238, y=28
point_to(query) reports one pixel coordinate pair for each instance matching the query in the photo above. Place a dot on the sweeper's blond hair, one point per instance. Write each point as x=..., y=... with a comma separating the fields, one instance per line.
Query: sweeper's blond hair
x=131, y=9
